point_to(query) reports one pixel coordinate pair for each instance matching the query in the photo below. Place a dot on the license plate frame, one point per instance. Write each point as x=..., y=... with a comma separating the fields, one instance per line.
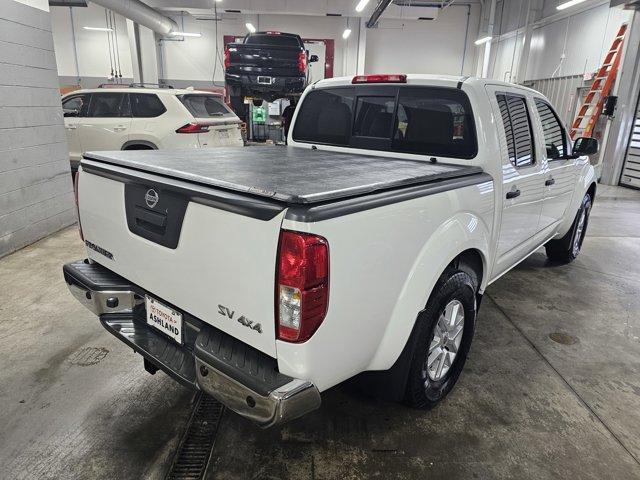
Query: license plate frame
x=164, y=319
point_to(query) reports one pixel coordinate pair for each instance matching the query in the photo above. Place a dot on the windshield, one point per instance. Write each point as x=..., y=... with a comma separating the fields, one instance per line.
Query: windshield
x=424, y=120
x=205, y=106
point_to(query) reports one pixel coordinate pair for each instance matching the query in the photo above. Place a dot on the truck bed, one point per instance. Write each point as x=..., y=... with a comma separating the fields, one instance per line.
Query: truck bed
x=285, y=174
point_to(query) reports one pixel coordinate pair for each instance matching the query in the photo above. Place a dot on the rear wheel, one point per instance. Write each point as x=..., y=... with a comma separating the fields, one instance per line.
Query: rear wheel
x=567, y=248
x=238, y=106
x=138, y=147
x=442, y=340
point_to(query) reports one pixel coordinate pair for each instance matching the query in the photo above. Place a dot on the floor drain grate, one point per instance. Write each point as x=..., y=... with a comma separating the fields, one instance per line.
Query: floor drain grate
x=563, y=338
x=192, y=457
x=88, y=356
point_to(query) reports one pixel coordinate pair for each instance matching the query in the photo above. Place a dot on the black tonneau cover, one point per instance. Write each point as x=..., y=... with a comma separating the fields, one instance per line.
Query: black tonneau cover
x=286, y=174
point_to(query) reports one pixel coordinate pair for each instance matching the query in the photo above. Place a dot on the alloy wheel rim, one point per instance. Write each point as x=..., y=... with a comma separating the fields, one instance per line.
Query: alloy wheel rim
x=579, y=230
x=447, y=337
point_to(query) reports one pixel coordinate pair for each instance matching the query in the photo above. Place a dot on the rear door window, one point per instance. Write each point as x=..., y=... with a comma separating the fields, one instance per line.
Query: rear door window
x=204, y=106
x=554, y=135
x=146, y=105
x=517, y=128
x=420, y=120
x=107, y=105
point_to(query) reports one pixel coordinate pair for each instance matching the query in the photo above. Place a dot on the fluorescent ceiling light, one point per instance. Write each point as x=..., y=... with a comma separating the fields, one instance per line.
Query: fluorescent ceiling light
x=99, y=29
x=482, y=40
x=346, y=33
x=361, y=4
x=568, y=4
x=185, y=34
x=250, y=27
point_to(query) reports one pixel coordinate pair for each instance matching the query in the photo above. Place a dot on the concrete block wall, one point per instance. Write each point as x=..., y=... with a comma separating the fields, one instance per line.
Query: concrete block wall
x=36, y=192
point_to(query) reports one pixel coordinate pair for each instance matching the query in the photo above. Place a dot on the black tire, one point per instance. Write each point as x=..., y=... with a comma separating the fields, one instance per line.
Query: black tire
x=567, y=248
x=138, y=147
x=422, y=390
x=239, y=107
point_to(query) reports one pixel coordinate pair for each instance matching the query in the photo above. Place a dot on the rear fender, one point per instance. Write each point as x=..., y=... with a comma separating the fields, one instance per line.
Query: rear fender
x=462, y=232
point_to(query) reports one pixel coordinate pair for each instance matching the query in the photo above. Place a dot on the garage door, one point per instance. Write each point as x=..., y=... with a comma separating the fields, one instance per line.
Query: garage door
x=631, y=170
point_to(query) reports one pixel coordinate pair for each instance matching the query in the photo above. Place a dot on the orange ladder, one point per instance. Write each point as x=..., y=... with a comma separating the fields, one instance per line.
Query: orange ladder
x=600, y=88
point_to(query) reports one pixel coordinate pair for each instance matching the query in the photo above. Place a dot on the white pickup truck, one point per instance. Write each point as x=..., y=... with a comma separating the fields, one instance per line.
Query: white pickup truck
x=266, y=275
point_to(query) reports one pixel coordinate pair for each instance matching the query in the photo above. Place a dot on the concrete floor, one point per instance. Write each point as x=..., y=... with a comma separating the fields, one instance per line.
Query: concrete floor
x=76, y=403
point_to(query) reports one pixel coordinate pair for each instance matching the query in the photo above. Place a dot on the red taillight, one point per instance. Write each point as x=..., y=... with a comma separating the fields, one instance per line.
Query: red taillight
x=302, y=62
x=76, y=184
x=387, y=78
x=193, y=128
x=302, y=290
x=227, y=57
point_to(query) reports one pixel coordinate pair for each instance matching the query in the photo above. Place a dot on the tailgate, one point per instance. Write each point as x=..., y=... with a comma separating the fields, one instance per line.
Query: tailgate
x=259, y=59
x=209, y=253
x=222, y=132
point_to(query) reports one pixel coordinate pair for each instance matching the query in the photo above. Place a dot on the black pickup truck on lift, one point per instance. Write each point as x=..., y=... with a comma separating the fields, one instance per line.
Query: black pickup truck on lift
x=266, y=66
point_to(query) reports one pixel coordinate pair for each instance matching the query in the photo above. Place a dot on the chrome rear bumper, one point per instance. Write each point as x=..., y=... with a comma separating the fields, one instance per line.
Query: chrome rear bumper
x=249, y=388
x=287, y=402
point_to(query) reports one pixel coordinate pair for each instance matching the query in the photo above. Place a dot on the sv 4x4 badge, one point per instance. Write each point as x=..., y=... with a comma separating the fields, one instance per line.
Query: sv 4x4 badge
x=225, y=312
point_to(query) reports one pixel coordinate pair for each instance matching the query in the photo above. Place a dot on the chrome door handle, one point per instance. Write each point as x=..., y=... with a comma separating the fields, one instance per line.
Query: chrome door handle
x=549, y=182
x=513, y=193
x=71, y=127
x=119, y=128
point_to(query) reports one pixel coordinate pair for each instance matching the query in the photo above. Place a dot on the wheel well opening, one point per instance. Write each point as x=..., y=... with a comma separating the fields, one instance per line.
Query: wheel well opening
x=471, y=262
x=592, y=192
x=137, y=146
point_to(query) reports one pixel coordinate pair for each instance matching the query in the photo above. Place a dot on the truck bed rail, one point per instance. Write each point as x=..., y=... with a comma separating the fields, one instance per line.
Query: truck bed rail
x=290, y=175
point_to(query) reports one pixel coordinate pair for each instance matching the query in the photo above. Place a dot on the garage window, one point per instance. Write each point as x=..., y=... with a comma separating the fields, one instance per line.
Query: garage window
x=421, y=120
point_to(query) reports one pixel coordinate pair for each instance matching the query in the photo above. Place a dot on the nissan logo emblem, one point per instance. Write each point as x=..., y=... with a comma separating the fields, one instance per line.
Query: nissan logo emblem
x=151, y=197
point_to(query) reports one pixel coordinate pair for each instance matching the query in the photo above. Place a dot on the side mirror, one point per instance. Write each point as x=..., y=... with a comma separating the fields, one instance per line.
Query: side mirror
x=70, y=113
x=585, y=146
x=313, y=58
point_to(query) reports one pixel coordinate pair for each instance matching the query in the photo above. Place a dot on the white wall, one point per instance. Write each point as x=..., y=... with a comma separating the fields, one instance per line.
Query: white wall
x=39, y=4
x=437, y=46
x=36, y=197
x=582, y=38
x=193, y=58
x=425, y=46
x=92, y=46
x=588, y=38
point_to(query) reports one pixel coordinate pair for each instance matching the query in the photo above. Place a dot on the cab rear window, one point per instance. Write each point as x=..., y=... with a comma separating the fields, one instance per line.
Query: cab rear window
x=421, y=120
x=273, y=39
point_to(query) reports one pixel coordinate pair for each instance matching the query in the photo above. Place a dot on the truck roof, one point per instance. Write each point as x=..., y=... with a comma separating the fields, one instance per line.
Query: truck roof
x=287, y=174
x=426, y=79
x=126, y=89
